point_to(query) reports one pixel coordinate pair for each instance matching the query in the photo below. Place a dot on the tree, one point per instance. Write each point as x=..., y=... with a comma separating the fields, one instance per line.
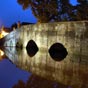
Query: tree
x=14, y=25
x=44, y=10
x=56, y=10
x=67, y=10
x=82, y=10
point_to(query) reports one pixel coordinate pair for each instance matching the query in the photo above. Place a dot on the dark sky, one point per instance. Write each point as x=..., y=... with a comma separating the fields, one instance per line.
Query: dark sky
x=11, y=12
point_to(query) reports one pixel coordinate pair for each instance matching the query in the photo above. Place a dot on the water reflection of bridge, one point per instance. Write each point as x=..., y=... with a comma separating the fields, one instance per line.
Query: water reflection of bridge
x=66, y=72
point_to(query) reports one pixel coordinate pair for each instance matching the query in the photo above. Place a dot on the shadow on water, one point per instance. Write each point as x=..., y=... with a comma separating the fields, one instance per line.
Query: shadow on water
x=35, y=81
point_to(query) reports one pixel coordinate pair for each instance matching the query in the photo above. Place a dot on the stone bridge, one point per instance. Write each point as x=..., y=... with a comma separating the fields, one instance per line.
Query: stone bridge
x=72, y=35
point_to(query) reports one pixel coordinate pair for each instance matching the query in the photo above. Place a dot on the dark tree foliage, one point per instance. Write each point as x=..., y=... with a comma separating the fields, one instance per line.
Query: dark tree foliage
x=82, y=10
x=44, y=10
x=14, y=25
x=67, y=10
x=56, y=10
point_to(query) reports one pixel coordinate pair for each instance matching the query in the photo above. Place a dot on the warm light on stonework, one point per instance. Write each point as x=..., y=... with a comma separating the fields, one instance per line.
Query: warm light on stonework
x=1, y=53
x=4, y=33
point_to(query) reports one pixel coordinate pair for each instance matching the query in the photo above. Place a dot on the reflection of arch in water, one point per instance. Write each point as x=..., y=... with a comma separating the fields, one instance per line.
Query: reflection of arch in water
x=31, y=48
x=65, y=72
x=19, y=44
x=5, y=44
x=11, y=43
x=58, y=52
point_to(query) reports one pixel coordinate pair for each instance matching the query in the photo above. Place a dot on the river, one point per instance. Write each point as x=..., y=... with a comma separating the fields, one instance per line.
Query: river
x=40, y=70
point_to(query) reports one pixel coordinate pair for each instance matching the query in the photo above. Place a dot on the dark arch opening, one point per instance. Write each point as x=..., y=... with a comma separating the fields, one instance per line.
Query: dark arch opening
x=19, y=44
x=58, y=52
x=11, y=43
x=31, y=48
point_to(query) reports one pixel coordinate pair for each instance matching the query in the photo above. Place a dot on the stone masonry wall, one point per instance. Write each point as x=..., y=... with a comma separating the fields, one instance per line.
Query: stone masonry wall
x=73, y=35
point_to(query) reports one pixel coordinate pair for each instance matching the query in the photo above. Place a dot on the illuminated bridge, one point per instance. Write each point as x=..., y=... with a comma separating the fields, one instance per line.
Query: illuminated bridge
x=52, y=41
x=71, y=38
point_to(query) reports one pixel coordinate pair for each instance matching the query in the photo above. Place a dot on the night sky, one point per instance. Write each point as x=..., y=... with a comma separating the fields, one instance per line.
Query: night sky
x=11, y=12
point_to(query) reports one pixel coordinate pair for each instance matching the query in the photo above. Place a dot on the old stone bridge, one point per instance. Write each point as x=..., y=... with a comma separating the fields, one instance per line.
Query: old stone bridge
x=72, y=35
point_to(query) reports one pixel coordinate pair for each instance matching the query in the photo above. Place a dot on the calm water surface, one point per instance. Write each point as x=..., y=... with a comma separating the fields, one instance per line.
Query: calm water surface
x=19, y=70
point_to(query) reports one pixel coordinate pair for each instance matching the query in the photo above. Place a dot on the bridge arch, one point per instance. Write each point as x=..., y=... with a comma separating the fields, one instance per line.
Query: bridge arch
x=58, y=52
x=11, y=43
x=19, y=43
x=32, y=48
